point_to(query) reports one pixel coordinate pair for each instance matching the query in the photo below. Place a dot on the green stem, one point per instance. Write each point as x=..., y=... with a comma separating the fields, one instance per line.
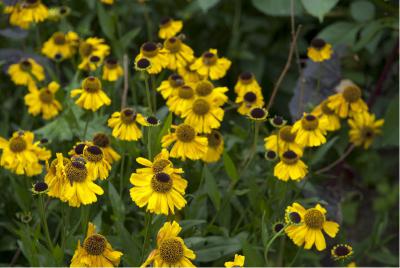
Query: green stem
x=295, y=257
x=149, y=149
x=148, y=219
x=270, y=243
x=44, y=222
x=121, y=175
x=254, y=147
x=146, y=83
x=84, y=217
x=86, y=128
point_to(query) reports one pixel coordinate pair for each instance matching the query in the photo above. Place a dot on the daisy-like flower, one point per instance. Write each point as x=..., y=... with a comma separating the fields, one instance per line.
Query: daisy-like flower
x=90, y=49
x=43, y=101
x=25, y=12
x=61, y=44
x=171, y=250
x=311, y=130
x=92, y=96
x=161, y=163
x=26, y=72
x=21, y=155
x=181, y=99
x=325, y=113
x=77, y=149
x=290, y=167
x=277, y=121
x=209, y=65
x=168, y=86
x=169, y=28
x=107, y=2
x=247, y=83
x=162, y=191
x=341, y=252
x=283, y=141
x=205, y=88
x=237, y=262
x=80, y=188
x=103, y=141
x=203, y=115
x=156, y=55
x=96, y=164
x=96, y=251
x=189, y=75
x=187, y=144
x=271, y=155
x=40, y=187
x=319, y=50
x=309, y=229
x=215, y=147
x=112, y=70
x=278, y=226
x=56, y=183
x=258, y=114
x=178, y=54
x=249, y=100
x=364, y=128
x=348, y=100
x=125, y=124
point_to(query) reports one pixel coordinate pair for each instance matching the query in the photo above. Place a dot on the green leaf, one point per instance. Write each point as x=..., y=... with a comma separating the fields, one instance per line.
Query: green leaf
x=341, y=32
x=211, y=187
x=166, y=126
x=390, y=129
x=362, y=10
x=129, y=36
x=58, y=129
x=318, y=8
x=106, y=22
x=252, y=254
x=205, y=5
x=277, y=7
x=116, y=203
x=322, y=151
x=230, y=167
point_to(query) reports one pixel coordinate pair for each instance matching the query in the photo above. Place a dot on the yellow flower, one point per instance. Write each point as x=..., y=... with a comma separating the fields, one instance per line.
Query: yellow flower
x=248, y=100
x=43, y=101
x=311, y=131
x=112, y=70
x=80, y=188
x=205, y=88
x=283, y=141
x=347, y=101
x=159, y=186
x=61, y=46
x=319, y=50
x=156, y=55
x=101, y=140
x=323, y=112
x=203, y=115
x=341, y=252
x=26, y=72
x=237, y=262
x=247, y=83
x=124, y=124
x=309, y=229
x=215, y=147
x=169, y=28
x=258, y=114
x=171, y=250
x=77, y=149
x=56, y=13
x=352, y=264
x=186, y=143
x=168, y=86
x=96, y=164
x=92, y=96
x=180, y=99
x=21, y=155
x=25, y=12
x=188, y=75
x=364, y=128
x=96, y=251
x=210, y=65
x=56, y=183
x=290, y=167
x=107, y=2
x=178, y=54
x=90, y=49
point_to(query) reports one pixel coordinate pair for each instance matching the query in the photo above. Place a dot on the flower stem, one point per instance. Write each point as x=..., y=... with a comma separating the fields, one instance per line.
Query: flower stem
x=86, y=128
x=149, y=149
x=84, y=217
x=44, y=222
x=270, y=243
x=148, y=218
x=146, y=82
x=121, y=175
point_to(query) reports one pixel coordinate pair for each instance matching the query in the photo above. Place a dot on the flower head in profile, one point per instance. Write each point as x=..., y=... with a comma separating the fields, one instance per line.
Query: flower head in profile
x=319, y=50
x=215, y=147
x=112, y=70
x=171, y=250
x=341, y=252
x=61, y=45
x=247, y=83
x=178, y=53
x=155, y=54
x=310, y=224
x=43, y=101
x=169, y=28
x=21, y=155
x=325, y=113
x=125, y=124
x=26, y=12
x=93, y=50
x=26, y=72
x=91, y=95
x=290, y=167
x=103, y=141
x=167, y=87
x=237, y=262
x=55, y=182
x=364, y=128
x=283, y=141
x=190, y=76
x=186, y=143
x=310, y=130
x=181, y=99
x=258, y=114
x=204, y=88
x=107, y=2
x=96, y=163
x=209, y=65
x=95, y=251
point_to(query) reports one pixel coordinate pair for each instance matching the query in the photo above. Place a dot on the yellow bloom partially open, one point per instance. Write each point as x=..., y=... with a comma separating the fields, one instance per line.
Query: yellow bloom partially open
x=92, y=97
x=61, y=46
x=169, y=28
x=215, y=147
x=290, y=167
x=237, y=262
x=211, y=66
x=178, y=54
x=26, y=12
x=93, y=50
x=112, y=70
x=26, y=72
x=311, y=130
x=319, y=50
x=364, y=128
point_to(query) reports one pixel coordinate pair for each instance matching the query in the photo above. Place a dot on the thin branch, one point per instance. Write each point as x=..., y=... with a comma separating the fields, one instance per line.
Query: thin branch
x=285, y=69
x=338, y=161
x=15, y=257
x=126, y=81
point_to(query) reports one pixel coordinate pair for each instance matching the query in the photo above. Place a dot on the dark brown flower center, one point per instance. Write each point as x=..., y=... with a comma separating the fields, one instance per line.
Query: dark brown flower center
x=93, y=153
x=314, y=218
x=25, y=65
x=161, y=183
x=352, y=94
x=209, y=58
x=175, y=80
x=278, y=227
x=201, y=107
x=40, y=186
x=159, y=165
x=185, y=133
x=325, y=108
x=285, y=134
x=294, y=217
x=152, y=120
x=289, y=157
x=95, y=244
x=173, y=44
x=204, y=88
x=171, y=250
x=149, y=49
x=101, y=140
x=85, y=49
x=342, y=251
x=143, y=64
x=318, y=43
x=79, y=148
x=128, y=116
x=17, y=144
x=165, y=22
x=250, y=97
x=91, y=84
x=111, y=63
x=76, y=171
x=271, y=155
x=309, y=122
x=214, y=139
x=257, y=113
x=59, y=38
x=185, y=92
x=46, y=96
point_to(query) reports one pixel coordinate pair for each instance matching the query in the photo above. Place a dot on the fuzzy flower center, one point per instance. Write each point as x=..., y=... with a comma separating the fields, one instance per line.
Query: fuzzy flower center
x=128, y=116
x=17, y=144
x=76, y=171
x=342, y=250
x=185, y=92
x=95, y=244
x=173, y=44
x=290, y=157
x=159, y=165
x=25, y=65
x=250, y=97
x=309, y=122
x=246, y=77
x=318, y=43
x=171, y=250
x=204, y=88
x=367, y=133
x=91, y=84
x=161, y=183
x=85, y=49
x=101, y=140
x=314, y=218
x=175, y=80
x=352, y=94
x=185, y=133
x=201, y=107
x=258, y=113
x=286, y=134
x=214, y=139
x=46, y=96
x=93, y=153
x=149, y=49
x=325, y=108
x=209, y=58
x=59, y=39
